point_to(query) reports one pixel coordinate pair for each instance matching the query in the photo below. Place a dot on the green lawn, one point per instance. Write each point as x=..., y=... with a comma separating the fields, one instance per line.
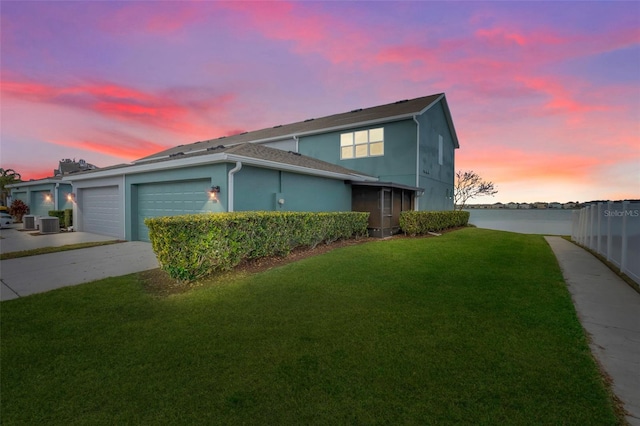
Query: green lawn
x=473, y=327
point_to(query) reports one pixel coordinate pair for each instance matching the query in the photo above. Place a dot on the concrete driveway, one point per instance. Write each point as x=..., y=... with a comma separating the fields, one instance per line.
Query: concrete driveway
x=37, y=274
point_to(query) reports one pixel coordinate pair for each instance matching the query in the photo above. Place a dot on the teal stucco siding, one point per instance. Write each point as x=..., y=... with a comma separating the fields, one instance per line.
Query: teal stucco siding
x=260, y=189
x=436, y=166
x=396, y=165
x=404, y=141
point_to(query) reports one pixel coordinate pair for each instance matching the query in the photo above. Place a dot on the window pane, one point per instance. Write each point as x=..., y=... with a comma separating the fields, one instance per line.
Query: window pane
x=346, y=139
x=376, y=135
x=361, y=151
x=376, y=148
x=346, y=152
x=362, y=136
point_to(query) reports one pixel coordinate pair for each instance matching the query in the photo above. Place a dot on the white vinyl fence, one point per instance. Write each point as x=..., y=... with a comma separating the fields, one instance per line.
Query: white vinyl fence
x=611, y=229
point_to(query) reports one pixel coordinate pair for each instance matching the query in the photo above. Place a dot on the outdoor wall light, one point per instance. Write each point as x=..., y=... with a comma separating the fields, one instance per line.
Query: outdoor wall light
x=281, y=201
x=71, y=197
x=47, y=198
x=213, y=193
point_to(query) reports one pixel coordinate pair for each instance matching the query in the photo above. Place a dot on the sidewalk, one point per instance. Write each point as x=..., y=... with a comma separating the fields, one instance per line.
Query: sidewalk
x=609, y=310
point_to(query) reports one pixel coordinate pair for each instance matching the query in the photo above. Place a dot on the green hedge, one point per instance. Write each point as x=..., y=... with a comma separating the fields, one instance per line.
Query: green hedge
x=192, y=246
x=65, y=216
x=418, y=223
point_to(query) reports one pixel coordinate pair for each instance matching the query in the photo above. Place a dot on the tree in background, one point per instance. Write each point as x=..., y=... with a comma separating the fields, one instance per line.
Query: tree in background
x=7, y=177
x=470, y=185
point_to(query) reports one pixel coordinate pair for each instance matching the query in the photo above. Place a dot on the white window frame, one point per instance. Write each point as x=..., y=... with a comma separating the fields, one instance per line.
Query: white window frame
x=361, y=143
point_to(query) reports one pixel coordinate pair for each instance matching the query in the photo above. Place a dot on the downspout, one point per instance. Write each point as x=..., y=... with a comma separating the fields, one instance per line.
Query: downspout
x=230, y=188
x=56, y=205
x=297, y=139
x=416, y=207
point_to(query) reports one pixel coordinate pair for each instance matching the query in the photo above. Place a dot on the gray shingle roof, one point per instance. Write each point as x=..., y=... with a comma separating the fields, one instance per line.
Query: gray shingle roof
x=399, y=110
x=264, y=156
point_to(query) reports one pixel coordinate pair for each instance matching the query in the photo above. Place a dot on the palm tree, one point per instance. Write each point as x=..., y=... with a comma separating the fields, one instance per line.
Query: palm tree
x=7, y=177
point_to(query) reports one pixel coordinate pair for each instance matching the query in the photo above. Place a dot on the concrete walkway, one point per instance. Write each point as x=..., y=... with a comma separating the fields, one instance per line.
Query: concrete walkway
x=37, y=274
x=609, y=310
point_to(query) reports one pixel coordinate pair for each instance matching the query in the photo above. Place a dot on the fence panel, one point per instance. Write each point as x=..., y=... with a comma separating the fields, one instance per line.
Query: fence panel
x=612, y=230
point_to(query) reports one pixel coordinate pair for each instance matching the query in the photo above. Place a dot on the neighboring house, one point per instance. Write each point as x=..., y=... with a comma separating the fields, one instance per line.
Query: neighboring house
x=384, y=160
x=67, y=166
x=43, y=195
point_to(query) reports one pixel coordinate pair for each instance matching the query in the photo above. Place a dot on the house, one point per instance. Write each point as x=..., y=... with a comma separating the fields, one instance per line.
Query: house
x=66, y=166
x=383, y=159
x=43, y=195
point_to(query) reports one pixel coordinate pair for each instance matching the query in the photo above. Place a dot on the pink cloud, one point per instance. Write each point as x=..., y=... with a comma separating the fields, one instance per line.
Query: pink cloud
x=162, y=18
x=176, y=110
x=116, y=145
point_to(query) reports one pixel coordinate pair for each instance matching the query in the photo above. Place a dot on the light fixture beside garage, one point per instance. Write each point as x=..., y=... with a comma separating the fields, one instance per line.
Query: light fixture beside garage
x=47, y=197
x=213, y=193
x=71, y=197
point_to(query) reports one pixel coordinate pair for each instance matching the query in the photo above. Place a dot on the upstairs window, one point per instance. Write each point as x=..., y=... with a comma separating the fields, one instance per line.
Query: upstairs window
x=363, y=143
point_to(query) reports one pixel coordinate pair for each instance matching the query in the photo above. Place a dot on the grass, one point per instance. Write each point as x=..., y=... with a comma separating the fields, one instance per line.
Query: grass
x=47, y=250
x=474, y=327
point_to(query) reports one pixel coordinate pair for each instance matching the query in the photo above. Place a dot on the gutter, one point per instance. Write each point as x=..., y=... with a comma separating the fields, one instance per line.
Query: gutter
x=230, y=185
x=55, y=197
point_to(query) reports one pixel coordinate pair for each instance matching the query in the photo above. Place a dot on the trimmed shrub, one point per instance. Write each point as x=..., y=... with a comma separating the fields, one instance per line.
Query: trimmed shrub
x=68, y=218
x=189, y=247
x=65, y=216
x=59, y=214
x=419, y=223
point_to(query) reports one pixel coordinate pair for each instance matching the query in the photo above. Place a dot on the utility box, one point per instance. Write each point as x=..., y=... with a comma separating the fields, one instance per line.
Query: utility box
x=29, y=222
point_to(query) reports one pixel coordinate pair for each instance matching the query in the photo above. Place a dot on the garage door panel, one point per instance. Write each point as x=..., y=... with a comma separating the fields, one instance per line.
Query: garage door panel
x=171, y=199
x=101, y=211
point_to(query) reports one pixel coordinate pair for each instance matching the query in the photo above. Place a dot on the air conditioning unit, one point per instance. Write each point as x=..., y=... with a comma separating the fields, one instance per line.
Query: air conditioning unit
x=49, y=225
x=29, y=221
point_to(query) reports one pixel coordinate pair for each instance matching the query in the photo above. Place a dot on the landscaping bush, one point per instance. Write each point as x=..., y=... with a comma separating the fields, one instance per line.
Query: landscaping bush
x=418, y=223
x=59, y=214
x=193, y=246
x=68, y=218
x=18, y=209
x=65, y=217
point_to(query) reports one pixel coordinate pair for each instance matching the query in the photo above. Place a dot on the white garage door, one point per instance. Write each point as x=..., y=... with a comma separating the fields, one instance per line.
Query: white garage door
x=171, y=199
x=101, y=211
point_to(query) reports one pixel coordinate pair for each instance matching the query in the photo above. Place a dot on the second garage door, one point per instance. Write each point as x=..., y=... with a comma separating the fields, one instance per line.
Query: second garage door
x=101, y=211
x=171, y=199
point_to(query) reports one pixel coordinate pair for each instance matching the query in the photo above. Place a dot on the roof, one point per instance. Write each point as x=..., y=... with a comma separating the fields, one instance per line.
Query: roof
x=399, y=110
x=247, y=153
x=49, y=180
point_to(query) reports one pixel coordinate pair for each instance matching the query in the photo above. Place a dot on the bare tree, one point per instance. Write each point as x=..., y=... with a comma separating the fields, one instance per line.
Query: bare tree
x=470, y=185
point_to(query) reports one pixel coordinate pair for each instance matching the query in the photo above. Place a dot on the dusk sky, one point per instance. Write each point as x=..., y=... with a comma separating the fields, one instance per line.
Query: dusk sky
x=545, y=96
